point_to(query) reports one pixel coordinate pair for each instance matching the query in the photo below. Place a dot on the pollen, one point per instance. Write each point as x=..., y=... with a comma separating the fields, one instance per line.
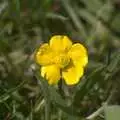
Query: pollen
x=62, y=60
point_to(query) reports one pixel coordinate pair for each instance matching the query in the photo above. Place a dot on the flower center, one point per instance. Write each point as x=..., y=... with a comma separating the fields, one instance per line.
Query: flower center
x=62, y=60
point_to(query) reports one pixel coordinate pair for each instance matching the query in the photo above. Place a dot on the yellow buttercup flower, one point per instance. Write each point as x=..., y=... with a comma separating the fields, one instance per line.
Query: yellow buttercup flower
x=60, y=59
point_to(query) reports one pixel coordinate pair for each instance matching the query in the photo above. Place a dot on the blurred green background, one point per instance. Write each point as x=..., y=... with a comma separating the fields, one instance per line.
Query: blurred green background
x=25, y=24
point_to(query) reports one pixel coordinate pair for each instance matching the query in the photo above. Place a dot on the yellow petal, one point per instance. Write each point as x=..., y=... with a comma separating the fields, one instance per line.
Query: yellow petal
x=60, y=43
x=78, y=54
x=44, y=55
x=72, y=74
x=51, y=73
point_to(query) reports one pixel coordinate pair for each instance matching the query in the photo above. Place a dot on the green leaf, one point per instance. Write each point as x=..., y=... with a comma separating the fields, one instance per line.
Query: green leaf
x=116, y=24
x=15, y=9
x=93, y=5
x=62, y=103
x=7, y=95
x=115, y=61
x=46, y=93
x=51, y=95
x=72, y=13
x=88, y=83
x=86, y=15
x=112, y=112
